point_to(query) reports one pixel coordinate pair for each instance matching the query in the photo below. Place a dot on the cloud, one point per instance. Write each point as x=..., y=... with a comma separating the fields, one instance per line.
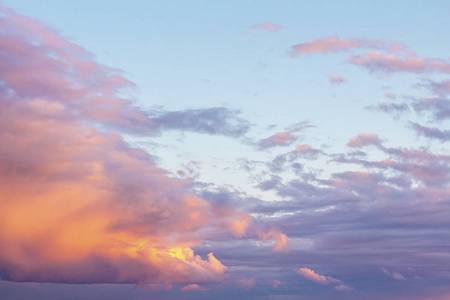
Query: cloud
x=395, y=275
x=275, y=283
x=438, y=107
x=193, y=287
x=335, y=44
x=214, y=121
x=364, y=139
x=392, y=108
x=281, y=240
x=431, y=132
x=342, y=287
x=440, y=88
x=335, y=78
x=267, y=26
x=391, y=95
x=278, y=139
x=246, y=283
x=79, y=204
x=319, y=279
x=376, y=61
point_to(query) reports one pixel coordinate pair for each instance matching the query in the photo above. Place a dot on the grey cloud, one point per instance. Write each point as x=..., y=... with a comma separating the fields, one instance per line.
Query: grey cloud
x=214, y=121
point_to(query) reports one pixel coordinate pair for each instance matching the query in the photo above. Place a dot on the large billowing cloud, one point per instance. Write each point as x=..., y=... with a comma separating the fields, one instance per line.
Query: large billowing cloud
x=77, y=203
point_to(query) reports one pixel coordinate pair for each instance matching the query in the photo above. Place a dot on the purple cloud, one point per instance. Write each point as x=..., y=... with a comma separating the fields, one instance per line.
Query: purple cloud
x=431, y=132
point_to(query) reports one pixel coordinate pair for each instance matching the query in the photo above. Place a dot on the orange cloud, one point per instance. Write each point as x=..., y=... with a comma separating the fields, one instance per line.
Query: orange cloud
x=281, y=240
x=77, y=203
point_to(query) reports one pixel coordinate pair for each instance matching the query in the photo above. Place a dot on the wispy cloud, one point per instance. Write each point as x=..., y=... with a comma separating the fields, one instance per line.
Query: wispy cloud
x=267, y=26
x=376, y=61
x=335, y=44
x=335, y=78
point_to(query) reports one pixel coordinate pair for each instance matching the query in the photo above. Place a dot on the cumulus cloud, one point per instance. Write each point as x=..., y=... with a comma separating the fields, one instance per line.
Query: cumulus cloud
x=317, y=278
x=79, y=204
x=267, y=26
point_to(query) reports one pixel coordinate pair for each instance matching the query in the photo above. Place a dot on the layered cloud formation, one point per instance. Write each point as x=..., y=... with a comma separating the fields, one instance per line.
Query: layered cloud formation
x=78, y=204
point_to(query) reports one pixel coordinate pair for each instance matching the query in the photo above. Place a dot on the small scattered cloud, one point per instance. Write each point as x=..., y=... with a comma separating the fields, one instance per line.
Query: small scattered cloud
x=214, y=121
x=335, y=78
x=278, y=139
x=281, y=240
x=275, y=283
x=267, y=26
x=431, y=132
x=394, y=275
x=317, y=278
x=342, y=287
x=391, y=95
x=193, y=287
x=364, y=139
x=246, y=283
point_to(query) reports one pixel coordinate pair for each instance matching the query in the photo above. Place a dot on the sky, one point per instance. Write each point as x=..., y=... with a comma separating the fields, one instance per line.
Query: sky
x=224, y=150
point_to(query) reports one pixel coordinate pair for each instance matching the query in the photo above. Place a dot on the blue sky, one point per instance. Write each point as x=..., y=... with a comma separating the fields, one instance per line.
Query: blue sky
x=303, y=143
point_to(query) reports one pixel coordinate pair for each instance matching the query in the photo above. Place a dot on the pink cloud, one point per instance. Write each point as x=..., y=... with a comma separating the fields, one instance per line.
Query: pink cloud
x=364, y=139
x=281, y=240
x=376, y=61
x=334, y=44
x=278, y=139
x=391, y=95
x=193, y=287
x=317, y=278
x=267, y=26
x=335, y=78
x=305, y=151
